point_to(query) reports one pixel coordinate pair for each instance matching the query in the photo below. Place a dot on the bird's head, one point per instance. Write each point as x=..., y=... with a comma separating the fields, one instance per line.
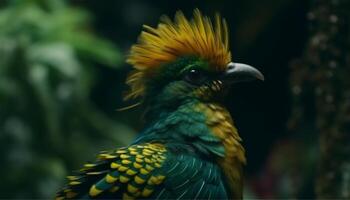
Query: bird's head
x=183, y=59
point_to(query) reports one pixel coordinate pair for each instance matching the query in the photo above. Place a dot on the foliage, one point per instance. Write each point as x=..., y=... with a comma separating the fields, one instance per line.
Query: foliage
x=47, y=122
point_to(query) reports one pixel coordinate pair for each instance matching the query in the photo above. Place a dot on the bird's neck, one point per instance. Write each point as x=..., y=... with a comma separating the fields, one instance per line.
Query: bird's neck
x=219, y=121
x=199, y=123
x=209, y=129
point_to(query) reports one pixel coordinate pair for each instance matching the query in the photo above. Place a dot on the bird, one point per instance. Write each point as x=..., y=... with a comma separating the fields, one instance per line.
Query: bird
x=189, y=147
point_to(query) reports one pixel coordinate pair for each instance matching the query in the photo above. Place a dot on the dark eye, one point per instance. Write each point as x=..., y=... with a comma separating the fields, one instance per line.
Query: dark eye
x=195, y=76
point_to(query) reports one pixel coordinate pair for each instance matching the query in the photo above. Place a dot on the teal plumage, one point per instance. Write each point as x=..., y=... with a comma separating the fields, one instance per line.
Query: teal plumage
x=190, y=148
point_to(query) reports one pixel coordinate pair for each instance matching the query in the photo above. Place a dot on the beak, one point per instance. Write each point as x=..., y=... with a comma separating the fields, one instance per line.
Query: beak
x=237, y=72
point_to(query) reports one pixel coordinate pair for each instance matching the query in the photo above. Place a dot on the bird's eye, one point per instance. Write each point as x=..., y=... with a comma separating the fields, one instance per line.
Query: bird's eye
x=195, y=76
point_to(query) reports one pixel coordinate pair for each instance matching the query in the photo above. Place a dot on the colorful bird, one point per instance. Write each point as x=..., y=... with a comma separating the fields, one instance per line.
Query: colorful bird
x=190, y=148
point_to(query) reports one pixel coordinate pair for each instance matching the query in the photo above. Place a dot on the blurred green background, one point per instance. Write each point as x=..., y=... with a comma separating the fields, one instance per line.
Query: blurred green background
x=62, y=73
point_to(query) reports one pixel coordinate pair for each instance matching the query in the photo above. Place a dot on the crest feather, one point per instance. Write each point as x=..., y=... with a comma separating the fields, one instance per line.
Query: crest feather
x=173, y=39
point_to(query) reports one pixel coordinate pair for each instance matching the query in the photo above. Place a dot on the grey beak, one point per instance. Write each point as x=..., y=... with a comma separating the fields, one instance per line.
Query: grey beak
x=238, y=72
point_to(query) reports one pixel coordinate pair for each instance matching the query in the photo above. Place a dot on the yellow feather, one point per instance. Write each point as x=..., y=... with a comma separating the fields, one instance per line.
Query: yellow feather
x=132, y=189
x=124, y=156
x=146, y=192
x=173, y=39
x=123, y=168
x=131, y=172
x=139, y=180
x=115, y=165
x=137, y=165
x=74, y=183
x=144, y=171
x=126, y=162
x=139, y=160
x=149, y=167
x=94, y=191
x=110, y=179
x=124, y=179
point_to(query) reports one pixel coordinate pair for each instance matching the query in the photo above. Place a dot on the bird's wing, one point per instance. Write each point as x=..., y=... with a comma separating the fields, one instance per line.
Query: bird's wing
x=145, y=171
x=190, y=177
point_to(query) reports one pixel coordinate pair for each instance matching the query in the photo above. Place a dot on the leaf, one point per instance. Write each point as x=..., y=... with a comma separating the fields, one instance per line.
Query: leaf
x=57, y=55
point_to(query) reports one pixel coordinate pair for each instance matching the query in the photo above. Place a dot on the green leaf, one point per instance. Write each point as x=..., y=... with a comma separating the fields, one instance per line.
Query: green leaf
x=60, y=56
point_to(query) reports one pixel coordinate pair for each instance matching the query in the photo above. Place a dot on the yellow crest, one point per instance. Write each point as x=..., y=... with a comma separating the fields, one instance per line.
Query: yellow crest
x=173, y=39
